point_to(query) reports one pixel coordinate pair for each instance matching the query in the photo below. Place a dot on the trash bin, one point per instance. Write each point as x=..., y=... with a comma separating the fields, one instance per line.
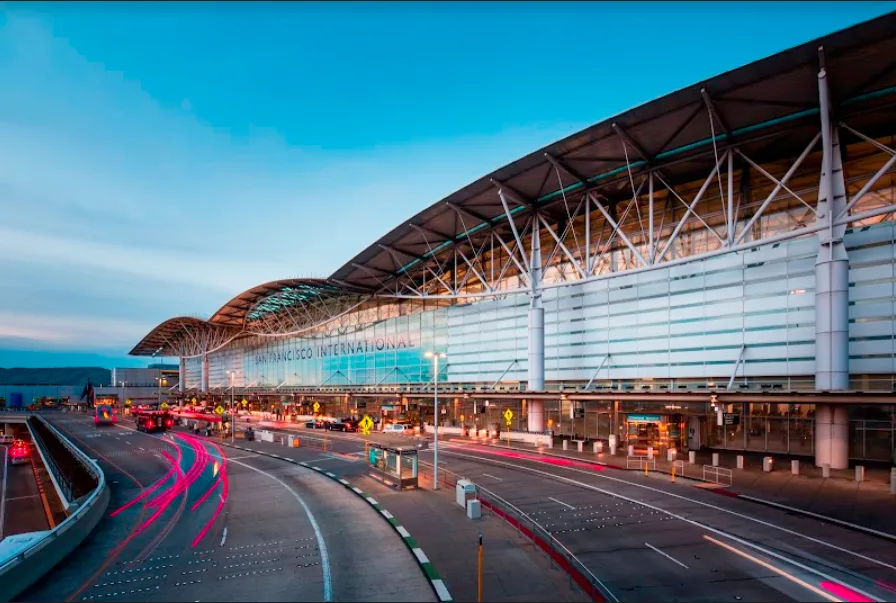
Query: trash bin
x=464, y=491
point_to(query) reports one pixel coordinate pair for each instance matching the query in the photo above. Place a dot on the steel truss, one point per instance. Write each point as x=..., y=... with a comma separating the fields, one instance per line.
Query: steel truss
x=584, y=235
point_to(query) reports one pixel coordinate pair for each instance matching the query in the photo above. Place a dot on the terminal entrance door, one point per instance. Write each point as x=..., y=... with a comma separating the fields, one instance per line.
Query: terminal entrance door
x=658, y=431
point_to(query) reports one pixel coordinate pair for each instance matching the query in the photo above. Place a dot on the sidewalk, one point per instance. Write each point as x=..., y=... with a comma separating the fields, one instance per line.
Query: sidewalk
x=513, y=568
x=868, y=504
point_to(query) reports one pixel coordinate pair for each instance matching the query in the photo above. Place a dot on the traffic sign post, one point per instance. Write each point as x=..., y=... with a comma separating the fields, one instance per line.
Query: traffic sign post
x=365, y=424
x=164, y=406
x=316, y=407
x=508, y=417
x=219, y=410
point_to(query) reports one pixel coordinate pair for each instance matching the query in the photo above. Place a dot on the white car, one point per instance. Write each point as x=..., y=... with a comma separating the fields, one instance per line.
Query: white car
x=399, y=428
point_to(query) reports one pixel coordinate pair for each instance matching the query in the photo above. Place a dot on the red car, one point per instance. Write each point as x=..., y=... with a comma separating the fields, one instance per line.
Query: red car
x=19, y=453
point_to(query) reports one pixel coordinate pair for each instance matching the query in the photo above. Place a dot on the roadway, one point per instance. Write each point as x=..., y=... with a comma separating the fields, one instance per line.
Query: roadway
x=649, y=539
x=21, y=506
x=192, y=521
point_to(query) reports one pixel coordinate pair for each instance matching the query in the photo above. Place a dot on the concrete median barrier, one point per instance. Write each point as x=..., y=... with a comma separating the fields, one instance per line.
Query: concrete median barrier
x=22, y=566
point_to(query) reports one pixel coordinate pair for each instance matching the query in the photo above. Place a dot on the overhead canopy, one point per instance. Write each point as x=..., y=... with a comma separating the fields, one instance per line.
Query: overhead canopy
x=751, y=104
x=768, y=108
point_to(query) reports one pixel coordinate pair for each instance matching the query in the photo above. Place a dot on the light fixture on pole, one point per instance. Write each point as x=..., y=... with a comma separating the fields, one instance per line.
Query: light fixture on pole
x=435, y=428
x=232, y=410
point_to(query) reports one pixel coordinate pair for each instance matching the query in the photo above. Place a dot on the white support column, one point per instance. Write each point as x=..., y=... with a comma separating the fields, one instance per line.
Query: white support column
x=182, y=376
x=831, y=436
x=204, y=382
x=536, y=332
x=832, y=265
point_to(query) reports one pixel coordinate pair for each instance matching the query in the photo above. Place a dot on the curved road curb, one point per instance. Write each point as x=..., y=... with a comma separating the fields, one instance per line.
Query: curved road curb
x=422, y=560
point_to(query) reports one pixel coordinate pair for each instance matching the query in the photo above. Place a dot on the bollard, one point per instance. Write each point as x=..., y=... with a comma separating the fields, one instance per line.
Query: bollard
x=579, y=445
x=795, y=467
x=598, y=447
x=650, y=452
x=631, y=450
x=565, y=444
x=613, y=449
x=673, y=473
x=893, y=480
x=740, y=461
x=645, y=469
x=767, y=462
x=715, y=459
x=692, y=457
x=670, y=455
x=826, y=470
x=860, y=473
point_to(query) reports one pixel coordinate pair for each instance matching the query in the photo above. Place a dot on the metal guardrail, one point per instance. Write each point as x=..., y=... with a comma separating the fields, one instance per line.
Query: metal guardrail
x=718, y=474
x=70, y=475
x=28, y=566
x=562, y=556
x=638, y=462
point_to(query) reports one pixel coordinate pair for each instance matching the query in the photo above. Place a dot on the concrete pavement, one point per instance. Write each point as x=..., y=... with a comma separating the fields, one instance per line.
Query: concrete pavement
x=513, y=569
x=191, y=521
x=650, y=539
x=866, y=504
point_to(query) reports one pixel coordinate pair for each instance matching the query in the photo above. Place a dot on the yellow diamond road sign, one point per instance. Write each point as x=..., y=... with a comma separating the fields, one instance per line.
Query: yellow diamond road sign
x=366, y=424
x=220, y=410
x=316, y=407
x=245, y=401
x=164, y=406
x=508, y=415
x=194, y=399
x=127, y=402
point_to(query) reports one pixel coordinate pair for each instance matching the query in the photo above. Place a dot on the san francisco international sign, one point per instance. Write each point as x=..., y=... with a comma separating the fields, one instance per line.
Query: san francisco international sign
x=342, y=348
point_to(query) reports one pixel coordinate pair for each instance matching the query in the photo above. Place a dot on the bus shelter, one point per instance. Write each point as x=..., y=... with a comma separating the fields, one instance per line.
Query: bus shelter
x=395, y=466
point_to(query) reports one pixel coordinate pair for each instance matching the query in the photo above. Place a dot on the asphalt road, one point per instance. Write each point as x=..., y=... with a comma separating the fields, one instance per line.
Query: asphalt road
x=21, y=507
x=649, y=539
x=191, y=521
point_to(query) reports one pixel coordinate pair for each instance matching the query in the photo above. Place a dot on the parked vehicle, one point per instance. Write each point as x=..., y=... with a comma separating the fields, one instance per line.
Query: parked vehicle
x=347, y=424
x=402, y=428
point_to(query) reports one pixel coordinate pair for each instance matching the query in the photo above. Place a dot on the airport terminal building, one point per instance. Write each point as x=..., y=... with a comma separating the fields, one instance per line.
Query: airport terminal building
x=713, y=268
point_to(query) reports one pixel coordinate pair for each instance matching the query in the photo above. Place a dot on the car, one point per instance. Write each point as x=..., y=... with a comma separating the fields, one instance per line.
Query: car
x=343, y=425
x=314, y=424
x=402, y=428
x=19, y=453
x=6, y=439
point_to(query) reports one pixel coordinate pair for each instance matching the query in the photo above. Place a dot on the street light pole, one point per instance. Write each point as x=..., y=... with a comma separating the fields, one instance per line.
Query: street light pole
x=435, y=429
x=232, y=412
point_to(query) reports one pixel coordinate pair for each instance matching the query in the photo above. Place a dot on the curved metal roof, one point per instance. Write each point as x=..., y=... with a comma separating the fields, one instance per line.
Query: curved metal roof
x=749, y=104
x=254, y=303
x=767, y=108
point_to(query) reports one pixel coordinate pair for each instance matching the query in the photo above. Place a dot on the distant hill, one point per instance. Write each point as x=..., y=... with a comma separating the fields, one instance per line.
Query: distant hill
x=55, y=376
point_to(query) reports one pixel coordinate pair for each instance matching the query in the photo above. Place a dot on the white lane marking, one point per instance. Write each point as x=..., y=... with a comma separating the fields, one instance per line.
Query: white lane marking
x=404, y=533
x=224, y=537
x=493, y=477
x=331, y=457
x=666, y=555
x=822, y=517
x=321, y=545
x=421, y=556
x=3, y=492
x=245, y=456
x=560, y=502
x=692, y=500
x=780, y=572
x=685, y=519
x=143, y=449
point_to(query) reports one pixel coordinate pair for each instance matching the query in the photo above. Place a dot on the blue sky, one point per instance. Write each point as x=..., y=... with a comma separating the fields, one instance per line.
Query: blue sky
x=158, y=158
